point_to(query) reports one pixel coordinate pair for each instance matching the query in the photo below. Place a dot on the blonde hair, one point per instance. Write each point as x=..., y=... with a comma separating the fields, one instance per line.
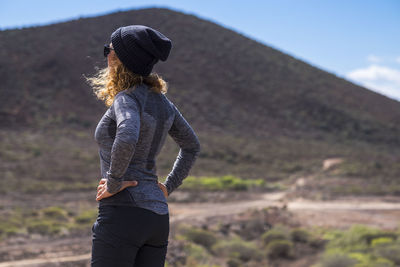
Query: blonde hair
x=109, y=81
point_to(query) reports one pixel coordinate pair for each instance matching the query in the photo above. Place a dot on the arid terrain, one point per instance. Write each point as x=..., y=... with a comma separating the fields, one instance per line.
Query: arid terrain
x=339, y=213
x=284, y=144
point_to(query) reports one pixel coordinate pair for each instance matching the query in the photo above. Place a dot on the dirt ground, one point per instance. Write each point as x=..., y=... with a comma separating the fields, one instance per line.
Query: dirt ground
x=339, y=213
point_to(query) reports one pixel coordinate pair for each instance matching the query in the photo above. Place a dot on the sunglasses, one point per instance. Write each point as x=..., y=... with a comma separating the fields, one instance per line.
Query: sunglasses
x=107, y=49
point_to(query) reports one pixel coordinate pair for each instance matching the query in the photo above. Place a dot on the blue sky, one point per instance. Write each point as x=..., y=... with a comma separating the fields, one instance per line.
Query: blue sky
x=358, y=40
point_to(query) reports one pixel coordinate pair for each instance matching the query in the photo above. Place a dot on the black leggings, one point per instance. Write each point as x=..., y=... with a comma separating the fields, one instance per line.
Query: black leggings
x=129, y=236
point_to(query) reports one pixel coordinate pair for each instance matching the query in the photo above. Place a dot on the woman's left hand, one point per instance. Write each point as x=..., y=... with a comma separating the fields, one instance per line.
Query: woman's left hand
x=102, y=188
x=163, y=188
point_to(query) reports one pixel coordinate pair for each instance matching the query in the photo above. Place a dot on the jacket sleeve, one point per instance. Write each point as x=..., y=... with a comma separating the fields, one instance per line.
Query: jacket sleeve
x=127, y=116
x=189, y=144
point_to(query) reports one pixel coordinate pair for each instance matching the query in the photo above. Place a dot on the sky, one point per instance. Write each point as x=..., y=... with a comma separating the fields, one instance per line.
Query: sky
x=358, y=40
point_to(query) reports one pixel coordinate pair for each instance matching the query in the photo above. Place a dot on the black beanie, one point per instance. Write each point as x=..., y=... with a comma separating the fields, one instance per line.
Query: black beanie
x=140, y=47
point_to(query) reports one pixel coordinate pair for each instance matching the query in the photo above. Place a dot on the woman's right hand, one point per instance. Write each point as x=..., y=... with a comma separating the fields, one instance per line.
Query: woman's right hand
x=163, y=188
x=102, y=188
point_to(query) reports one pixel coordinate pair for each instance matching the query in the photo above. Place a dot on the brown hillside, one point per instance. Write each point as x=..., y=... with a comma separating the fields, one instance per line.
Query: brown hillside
x=219, y=78
x=258, y=112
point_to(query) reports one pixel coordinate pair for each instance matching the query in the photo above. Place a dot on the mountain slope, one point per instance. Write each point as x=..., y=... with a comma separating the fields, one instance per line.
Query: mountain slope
x=258, y=112
x=221, y=79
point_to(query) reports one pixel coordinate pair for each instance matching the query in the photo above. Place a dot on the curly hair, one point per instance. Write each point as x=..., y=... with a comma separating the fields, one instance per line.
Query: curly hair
x=109, y=81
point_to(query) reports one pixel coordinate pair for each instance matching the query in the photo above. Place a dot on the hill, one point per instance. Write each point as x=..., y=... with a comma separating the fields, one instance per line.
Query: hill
x=258, y=112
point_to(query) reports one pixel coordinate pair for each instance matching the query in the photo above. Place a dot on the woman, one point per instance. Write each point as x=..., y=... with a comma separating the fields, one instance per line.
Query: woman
x=132, y=226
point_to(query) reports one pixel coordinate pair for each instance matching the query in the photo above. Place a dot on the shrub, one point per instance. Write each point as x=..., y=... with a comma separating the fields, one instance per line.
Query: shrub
x=6, y=227
x=357, y=238
x=362, y=258
x=233, y=262
x=279, y=249
x=252, y=228
x=44, y=227
x=381, y=262
x=238, y=249
x=381, y=241
x=369, y=237
x=56, y=213
x=300, y=235
x=337, y=260
x=197, y=252
x=276, y=233
x=9, y=231
x=86, y=217
x=226, y=182
x=200, y=236
x=388, y=251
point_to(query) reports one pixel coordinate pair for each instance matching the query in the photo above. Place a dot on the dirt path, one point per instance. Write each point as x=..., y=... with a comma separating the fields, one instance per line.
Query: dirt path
x=343, y=213
x=202, y=211
x=45, y=262
x=337, y=213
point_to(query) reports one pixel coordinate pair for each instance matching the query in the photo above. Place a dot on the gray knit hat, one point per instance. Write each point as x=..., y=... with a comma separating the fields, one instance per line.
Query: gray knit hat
x=140, y=47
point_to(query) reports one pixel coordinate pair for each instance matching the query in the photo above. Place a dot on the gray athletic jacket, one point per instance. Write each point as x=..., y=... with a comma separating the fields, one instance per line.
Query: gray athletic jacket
x=130, y=136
